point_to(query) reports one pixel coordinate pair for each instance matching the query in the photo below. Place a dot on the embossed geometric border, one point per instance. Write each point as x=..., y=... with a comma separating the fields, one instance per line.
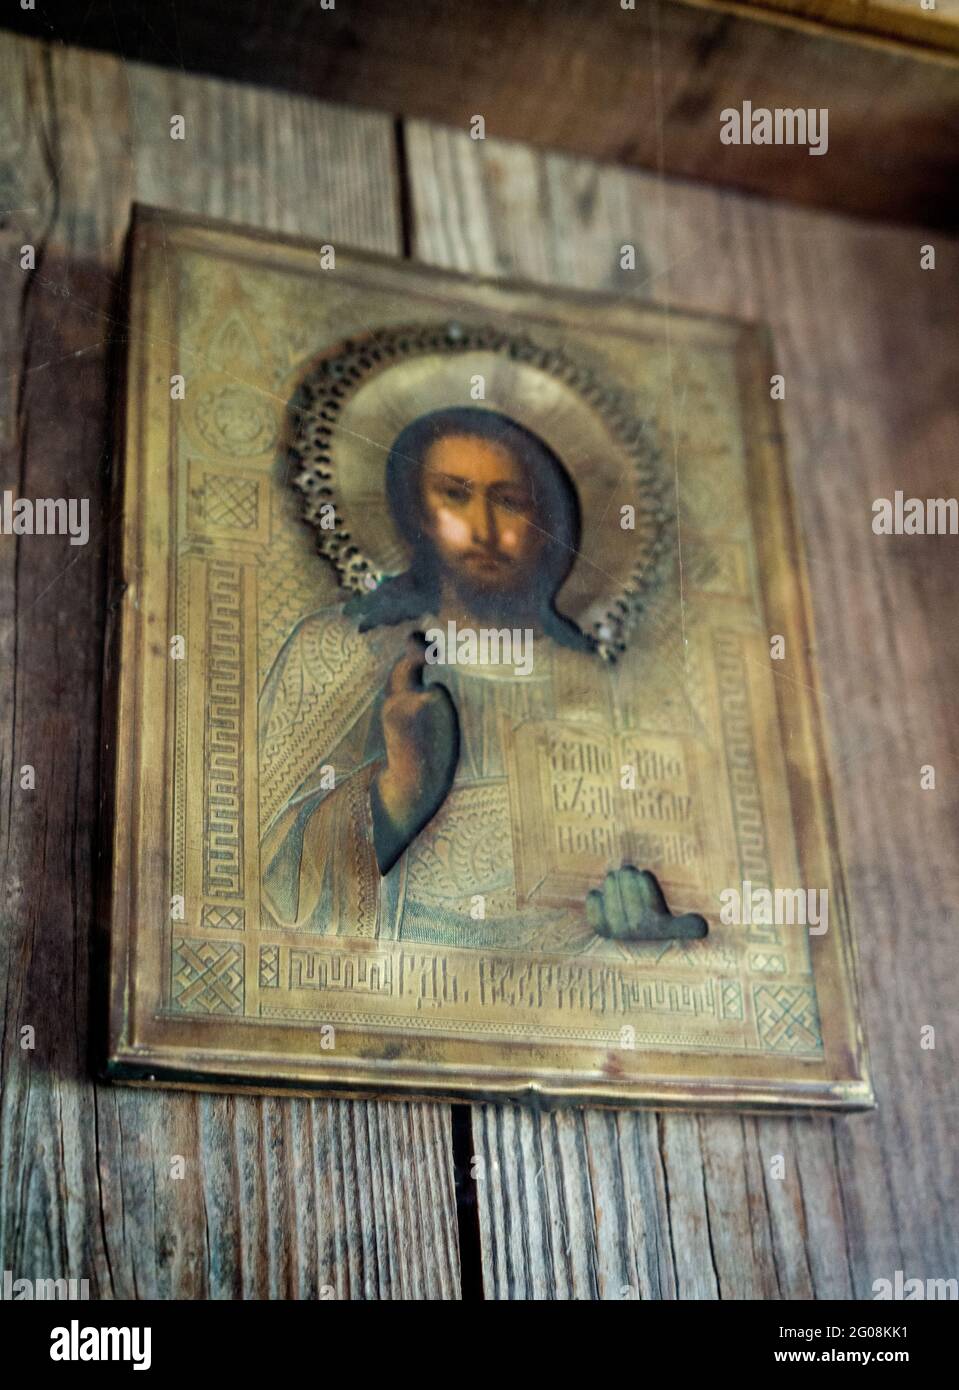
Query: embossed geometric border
x=787, y=1019
x=207, y=976
x=223, y=513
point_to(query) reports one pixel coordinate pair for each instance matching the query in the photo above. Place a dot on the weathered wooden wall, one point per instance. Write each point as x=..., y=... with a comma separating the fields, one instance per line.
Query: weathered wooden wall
x=283, y=1197
x=642, y=86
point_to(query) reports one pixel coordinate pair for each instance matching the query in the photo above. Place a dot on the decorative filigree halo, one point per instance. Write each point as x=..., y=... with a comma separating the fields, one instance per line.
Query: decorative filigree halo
x=331, y=463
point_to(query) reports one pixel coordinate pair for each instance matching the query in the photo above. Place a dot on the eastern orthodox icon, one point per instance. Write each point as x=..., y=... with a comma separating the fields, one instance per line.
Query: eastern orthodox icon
x=491, y=686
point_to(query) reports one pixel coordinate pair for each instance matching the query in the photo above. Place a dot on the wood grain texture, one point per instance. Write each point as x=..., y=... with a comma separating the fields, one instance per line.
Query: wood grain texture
x=643, y=87
x=280, y=1197
x=937, y=27
x=610, y=1206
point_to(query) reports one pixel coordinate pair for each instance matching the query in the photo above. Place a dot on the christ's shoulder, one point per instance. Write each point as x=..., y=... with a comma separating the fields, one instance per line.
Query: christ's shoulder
x=325, y=648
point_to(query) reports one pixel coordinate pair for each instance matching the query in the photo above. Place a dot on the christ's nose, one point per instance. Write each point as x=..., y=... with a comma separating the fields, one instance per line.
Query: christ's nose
x=482, y=520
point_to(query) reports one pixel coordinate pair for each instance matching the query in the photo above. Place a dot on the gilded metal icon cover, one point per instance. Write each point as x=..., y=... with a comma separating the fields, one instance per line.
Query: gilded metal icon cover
x=466, y=740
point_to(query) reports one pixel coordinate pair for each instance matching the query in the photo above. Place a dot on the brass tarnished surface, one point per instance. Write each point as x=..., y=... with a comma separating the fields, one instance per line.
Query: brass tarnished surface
x=254, y=942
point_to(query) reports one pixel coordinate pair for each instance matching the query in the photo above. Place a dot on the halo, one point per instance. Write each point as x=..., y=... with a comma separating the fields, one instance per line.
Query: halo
x=352, y=403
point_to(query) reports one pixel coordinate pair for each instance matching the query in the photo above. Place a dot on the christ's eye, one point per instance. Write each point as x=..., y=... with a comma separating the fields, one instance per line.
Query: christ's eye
x=515, y=500
x=454, y=492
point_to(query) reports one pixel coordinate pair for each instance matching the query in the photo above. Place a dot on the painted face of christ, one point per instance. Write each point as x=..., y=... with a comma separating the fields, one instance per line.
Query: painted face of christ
x=491, y=520
x=479, y=514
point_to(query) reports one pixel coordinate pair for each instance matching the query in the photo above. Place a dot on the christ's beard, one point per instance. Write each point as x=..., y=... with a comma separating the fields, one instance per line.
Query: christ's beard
x=497, y=601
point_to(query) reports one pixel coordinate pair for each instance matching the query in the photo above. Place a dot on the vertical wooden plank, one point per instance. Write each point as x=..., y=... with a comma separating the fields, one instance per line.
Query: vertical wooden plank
x=58, y=323
x=685, y=1205
x=279, y=1198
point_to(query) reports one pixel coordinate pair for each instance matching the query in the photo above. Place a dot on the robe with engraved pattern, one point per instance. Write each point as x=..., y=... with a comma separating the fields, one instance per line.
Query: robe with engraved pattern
x=320, y=724
x=488, y=869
